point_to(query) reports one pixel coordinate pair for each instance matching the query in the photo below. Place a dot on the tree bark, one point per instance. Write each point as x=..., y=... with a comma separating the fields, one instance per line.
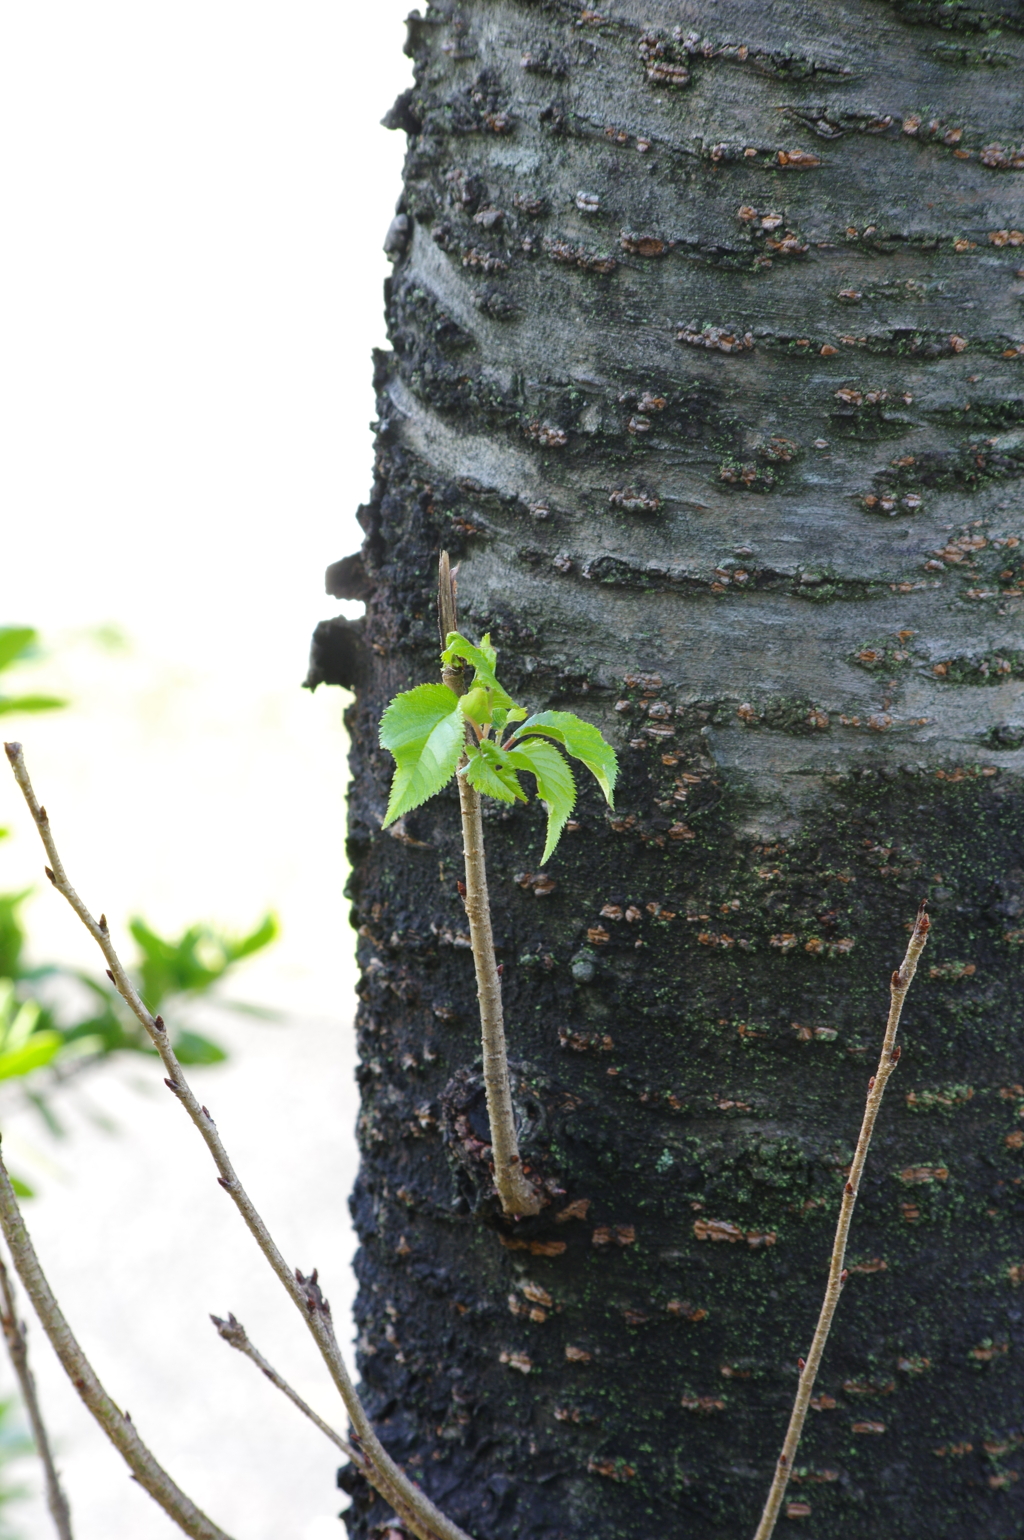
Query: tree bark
x=708, y=365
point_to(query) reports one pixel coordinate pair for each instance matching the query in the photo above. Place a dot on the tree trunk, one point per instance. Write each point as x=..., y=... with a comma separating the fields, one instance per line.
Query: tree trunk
x=707, y=366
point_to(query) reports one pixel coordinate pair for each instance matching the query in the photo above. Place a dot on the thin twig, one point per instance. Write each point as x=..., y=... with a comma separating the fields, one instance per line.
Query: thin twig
x=235, y=1335
x=117, y=1425
x=387, y=1477
x=517, y=1194
x=837, y=1275
x=17, y=1347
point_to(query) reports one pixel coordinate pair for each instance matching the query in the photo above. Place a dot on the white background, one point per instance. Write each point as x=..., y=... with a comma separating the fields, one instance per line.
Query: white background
x=193, y=200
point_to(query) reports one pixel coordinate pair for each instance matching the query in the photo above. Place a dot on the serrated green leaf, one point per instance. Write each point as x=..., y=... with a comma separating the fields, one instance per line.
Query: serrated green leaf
x=482, y=659
x=582, y=740
x=489, y=772
x=554, y=783
x=413, y=715
x=426, y=732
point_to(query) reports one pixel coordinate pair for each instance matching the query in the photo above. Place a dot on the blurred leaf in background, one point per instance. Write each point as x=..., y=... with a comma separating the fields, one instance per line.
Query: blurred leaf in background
x=196, y=961
x=64, y=1020
x=56, y=1020
x=19, y=644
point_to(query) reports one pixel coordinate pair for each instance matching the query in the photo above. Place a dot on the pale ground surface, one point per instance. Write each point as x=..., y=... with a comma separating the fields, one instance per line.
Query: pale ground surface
x=195, y=199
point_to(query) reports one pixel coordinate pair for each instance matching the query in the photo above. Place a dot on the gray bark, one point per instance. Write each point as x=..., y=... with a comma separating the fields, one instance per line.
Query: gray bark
x=708, y=361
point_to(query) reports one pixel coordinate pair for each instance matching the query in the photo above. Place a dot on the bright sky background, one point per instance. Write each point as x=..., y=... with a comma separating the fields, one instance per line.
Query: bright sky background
x=194, y=199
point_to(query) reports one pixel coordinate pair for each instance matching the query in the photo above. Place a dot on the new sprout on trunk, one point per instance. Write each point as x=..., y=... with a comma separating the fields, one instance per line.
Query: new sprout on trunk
x=481, y=737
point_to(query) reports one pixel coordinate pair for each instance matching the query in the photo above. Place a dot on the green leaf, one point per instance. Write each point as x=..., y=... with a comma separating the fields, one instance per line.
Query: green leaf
x=84, y=1045
x=582, y=740
x=265, y=932
x=21, y=1189
x=503, y=718
x=194, y=962
x=483, y=659
x=117, y=1029
x=12, y=934
x=10, y=703
x=40, y=1048
x=192, y=1048
x=170, y=967
x=16, y=642
x=425, y=730
x=476, y=705
x=18, y=1018
x=489, y=772
x=413, y=715
x=554, y=783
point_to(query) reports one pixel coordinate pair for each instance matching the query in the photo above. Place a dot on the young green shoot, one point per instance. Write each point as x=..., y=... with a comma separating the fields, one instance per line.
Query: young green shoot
x=477, y=734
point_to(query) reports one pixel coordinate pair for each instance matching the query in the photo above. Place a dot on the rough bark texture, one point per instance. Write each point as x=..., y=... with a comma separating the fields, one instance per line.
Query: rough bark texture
x=708, y=362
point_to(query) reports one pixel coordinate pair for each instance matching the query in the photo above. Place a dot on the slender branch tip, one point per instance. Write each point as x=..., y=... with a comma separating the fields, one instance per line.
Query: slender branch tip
x=838, y=1273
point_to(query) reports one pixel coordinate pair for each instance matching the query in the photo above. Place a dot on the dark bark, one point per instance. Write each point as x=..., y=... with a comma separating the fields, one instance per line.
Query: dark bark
x=707, y=363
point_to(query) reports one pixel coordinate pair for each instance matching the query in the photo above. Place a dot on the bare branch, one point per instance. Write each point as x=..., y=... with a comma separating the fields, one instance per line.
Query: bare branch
x=235, y=1335
x=117, y=1425
x=17, y=1347
x=899, y=985
x=429, y=1523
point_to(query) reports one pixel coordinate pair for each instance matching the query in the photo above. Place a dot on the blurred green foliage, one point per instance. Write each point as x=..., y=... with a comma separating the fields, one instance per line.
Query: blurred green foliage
x=17, y=645
x=64, y=1019
x=195, y=962
x=56, y=1021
